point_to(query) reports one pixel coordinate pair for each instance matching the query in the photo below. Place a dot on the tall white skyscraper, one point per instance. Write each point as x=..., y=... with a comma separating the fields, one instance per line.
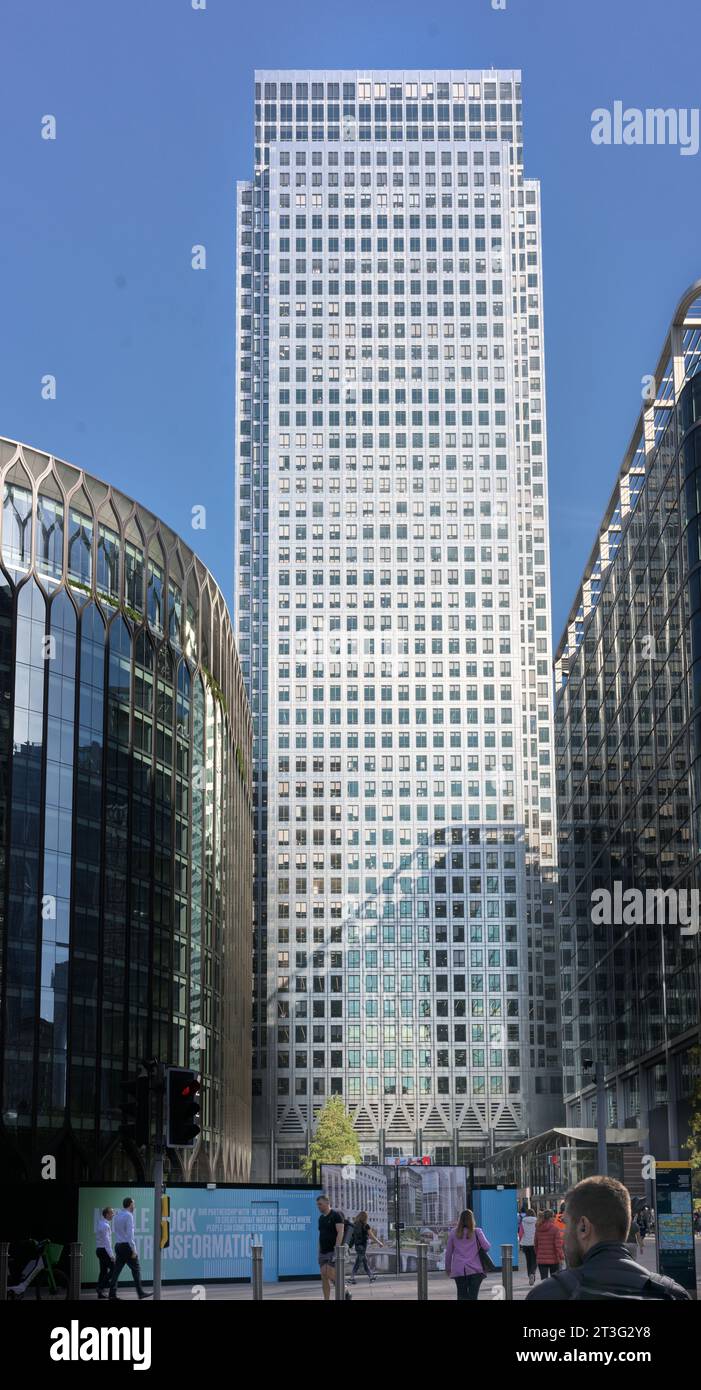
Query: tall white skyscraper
x=393, y=614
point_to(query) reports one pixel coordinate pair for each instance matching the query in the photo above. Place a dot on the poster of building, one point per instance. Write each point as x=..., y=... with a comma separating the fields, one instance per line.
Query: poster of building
x=355, y=1188
x=430, y=1203
x=405, y=1206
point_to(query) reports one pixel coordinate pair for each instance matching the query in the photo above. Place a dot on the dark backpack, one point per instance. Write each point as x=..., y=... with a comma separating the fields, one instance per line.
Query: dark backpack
x=359, y=1235
x=347, y=1229
x=656, y=1286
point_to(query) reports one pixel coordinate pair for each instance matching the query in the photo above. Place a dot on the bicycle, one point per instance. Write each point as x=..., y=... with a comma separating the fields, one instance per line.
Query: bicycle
x=41, y=1275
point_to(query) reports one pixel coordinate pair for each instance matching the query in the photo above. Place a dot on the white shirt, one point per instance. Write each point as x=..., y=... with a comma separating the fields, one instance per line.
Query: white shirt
x=529, y=1225
x=103, y=1238
x=123, y=1227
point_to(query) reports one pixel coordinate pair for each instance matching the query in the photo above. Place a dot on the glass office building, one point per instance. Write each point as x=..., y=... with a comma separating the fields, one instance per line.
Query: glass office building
x=125, y=828
x=393, y=614
x=628, y=731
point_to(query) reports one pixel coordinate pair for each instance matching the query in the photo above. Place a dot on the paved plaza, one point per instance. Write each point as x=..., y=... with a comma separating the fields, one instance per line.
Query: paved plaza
x=386, y=1288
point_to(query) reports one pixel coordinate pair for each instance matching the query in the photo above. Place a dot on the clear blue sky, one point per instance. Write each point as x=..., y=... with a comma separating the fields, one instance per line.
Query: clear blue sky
x=154, y=109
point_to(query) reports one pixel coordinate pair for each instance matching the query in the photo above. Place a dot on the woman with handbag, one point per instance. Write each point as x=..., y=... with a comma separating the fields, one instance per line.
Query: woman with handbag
x=466, y=1258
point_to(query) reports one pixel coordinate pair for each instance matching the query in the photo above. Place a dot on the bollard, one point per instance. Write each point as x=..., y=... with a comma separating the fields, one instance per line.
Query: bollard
x=507, y=1272
x=422, y=1273
x=4, y=1261
x=257, y=1271
x=340, y=1272
x=75, y=1263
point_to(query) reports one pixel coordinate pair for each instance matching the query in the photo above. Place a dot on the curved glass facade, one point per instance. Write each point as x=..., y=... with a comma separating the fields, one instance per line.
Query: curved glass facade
x=125, y=818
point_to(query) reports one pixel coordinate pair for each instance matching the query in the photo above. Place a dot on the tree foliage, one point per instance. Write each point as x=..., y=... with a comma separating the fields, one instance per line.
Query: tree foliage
x=335, y=1140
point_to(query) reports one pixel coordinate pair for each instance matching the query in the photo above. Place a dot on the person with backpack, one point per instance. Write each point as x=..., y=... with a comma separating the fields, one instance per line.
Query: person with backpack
x=641, y=1232
x=333, y=1232
x=526, y=1235
x=360, y=1235
x=597, y=1221
x=547, y=1243
x=463, y=1257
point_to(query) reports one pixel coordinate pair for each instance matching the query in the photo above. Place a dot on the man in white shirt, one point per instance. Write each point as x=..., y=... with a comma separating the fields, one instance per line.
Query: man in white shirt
x=125, y=1248
x=104, y=1252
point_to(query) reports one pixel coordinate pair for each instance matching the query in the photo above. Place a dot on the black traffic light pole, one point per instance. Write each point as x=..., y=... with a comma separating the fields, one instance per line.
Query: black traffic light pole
x=175, y=1101
x=158, y=1081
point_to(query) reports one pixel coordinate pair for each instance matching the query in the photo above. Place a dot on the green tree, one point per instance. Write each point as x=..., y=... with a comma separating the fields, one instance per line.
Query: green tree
x=335, y=1140
x=693, y=1143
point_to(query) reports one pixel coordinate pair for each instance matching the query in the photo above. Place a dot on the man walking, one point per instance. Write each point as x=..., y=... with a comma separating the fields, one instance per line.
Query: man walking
x=104, y=1251
x=331, y=1231
x=125, y=1249
x=597, y=1222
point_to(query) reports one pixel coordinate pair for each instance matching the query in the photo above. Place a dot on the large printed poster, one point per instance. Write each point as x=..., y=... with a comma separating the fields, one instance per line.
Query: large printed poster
x=405, y=1206
x=430, y=1203
x=212, y=1231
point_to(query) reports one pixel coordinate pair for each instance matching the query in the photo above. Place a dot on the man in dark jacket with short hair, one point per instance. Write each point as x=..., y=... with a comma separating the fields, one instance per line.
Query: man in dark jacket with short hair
x=597, y=1221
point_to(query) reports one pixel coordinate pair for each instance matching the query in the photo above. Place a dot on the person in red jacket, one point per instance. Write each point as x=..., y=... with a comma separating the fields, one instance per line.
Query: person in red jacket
x=549, y=1251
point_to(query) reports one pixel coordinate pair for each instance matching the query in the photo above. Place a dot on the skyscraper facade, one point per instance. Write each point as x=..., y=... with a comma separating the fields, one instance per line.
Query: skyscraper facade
x=393, y=613
x=628, y=732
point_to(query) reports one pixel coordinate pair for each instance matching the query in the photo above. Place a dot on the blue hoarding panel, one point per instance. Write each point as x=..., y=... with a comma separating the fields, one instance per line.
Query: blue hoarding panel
x=496, y=1211
x=212, y=1231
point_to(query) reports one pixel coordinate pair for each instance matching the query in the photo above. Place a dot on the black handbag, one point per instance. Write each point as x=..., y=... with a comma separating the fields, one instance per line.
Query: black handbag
x=488, y=1265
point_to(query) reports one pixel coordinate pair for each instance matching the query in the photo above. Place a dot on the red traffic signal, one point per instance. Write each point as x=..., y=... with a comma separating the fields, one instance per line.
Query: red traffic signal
x=183, y=1111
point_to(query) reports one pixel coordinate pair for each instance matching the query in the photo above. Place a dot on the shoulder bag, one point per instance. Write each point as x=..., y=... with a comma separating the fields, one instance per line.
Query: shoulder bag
x=488, y=1265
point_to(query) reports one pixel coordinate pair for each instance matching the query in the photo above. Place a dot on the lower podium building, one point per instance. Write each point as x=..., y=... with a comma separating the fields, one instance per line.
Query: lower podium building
x=125, y=830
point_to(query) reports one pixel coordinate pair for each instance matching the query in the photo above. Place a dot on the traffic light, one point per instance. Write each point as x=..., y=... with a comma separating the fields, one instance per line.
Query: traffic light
x=135, y=1109
x=183, y=1108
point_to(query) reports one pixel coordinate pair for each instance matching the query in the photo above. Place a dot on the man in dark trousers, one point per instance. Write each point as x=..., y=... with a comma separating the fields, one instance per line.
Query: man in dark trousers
x=125, y=1248
x=597, y=1222
x=104, y=1251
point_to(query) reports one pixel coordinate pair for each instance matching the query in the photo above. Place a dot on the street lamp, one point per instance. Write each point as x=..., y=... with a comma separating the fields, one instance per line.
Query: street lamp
x=588, y=1065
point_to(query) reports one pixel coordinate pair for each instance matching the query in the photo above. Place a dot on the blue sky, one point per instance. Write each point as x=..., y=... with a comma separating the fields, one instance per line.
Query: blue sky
x=154, y=106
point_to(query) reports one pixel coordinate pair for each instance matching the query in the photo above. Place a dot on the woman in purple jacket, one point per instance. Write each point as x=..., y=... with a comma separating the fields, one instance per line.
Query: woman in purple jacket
x=462, y=1259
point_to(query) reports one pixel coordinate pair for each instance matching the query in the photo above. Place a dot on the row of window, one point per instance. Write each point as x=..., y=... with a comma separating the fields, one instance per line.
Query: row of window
x=352, y=131
x=379, y=89
x=355, y=1086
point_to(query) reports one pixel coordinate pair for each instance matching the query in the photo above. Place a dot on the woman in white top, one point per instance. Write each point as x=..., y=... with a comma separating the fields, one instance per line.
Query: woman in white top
x=526, y=1235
